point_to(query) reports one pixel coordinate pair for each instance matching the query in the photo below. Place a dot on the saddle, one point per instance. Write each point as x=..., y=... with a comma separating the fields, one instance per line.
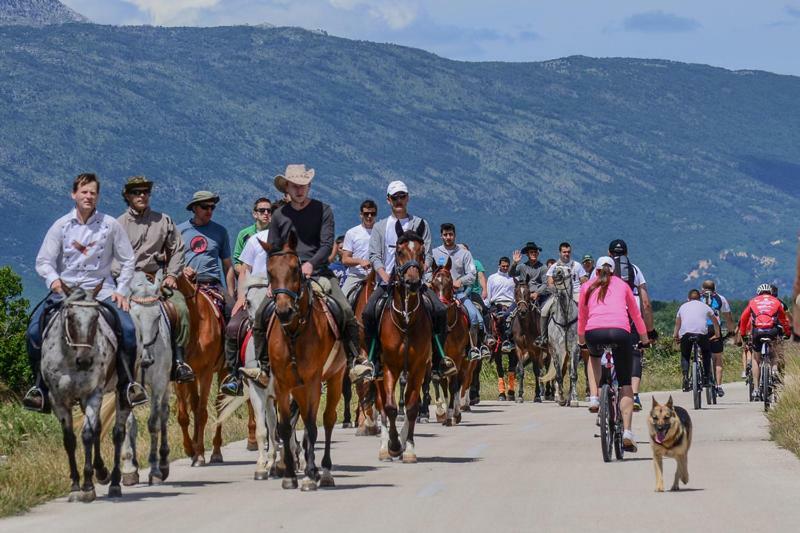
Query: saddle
x=171, y=313
x=333, y=312
x=353, y=294
x=214, y=295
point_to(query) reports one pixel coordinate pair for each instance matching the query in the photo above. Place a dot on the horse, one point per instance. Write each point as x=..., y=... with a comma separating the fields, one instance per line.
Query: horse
x=304, y=352
x=366, y=419
x=563, y=337
x=155, y=361
x=456, y=347
x=405, y=329
x=205, y=355
x=78, y=365
x=524, y=331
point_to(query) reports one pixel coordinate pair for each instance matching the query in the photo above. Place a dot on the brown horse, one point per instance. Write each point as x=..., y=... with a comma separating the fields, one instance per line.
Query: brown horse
x=524, y=331
x=405, y=330
x=455, y=347
x=303, y=353
x=204, y=354
x=366, y=415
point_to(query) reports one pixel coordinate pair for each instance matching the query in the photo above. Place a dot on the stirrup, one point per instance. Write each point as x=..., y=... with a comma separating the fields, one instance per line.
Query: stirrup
x=29, y=401
x=507, y=347
x=541, y=341
x=474, y=354
x=449, y=367
x=256, y=375
x=485, y=352
x=183, y=373
x=131, y=392
x=364, y=374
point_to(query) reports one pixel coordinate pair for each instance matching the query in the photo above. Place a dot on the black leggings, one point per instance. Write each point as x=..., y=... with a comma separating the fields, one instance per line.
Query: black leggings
x=623, y=350
x=686, y=352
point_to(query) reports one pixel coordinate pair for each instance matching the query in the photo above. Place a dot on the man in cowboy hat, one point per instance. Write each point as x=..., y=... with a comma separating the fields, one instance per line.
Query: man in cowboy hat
x=383, y=241
x=532, y=271
x=157, y=245
x=312, y=222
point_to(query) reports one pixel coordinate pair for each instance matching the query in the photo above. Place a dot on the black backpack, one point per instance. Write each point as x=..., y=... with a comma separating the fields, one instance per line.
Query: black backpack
x=624, y=269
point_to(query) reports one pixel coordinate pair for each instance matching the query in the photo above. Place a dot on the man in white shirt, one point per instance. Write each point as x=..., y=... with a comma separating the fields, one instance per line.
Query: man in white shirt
x=691, y=321
x=571, y=268
x=355, y=248
x=500, y=297
x=78, y=251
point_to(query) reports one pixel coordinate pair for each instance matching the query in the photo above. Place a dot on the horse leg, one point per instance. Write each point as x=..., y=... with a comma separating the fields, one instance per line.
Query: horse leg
x=438, y=391
x=520, y=371
x=89, y=434
x=216, y=442
x=252, y=445
x=286, y=431
x=183, y=393
x=425, y=404
x=347, y=391
x=130, y=466
x=200, y=408
x=455, y=396
x=271, y=417
x=309, y=405
x=401, y=410
x=163, y=451
x=118, y=436
x=559, y=382
x=64, y=415
x=409, y=452
x=390, y=408
x=258, y=401
x=329, y=421
x=101, y=473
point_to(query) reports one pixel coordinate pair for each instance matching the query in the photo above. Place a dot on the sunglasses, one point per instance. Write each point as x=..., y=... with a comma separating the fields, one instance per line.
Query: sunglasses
x=139, y=192
x=207, y=207
x=263, y=210
x=367, y=214
x=398, y=196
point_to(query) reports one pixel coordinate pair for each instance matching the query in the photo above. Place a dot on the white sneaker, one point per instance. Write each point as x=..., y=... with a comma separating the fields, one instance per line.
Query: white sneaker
x=594, y=404
x=629, y=441
x=744, y=374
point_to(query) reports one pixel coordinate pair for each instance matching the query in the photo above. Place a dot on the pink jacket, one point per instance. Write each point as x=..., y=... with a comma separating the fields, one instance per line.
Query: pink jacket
x=612, y=312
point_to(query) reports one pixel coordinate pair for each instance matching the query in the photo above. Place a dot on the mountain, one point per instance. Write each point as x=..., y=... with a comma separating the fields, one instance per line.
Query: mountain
x=696, y=167
x=36, y=13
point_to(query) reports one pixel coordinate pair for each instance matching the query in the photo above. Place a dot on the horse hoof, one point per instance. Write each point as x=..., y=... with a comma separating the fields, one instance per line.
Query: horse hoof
x=308, y=485
x=216, y=458
x=520, y=399
x=289, y=483
x=346, y=425
x=280, y=470
x=261, y=475
x=199, y=461
x=409, y=458
x=252, y=446
x=383, y=455
x=361, y=431
x=440, y=418
x=457, y=418
x=74, y=496
x=102, y=476
x=88, y=496
x=562, y=403
x=153, y=479
x=537, y=399
x=448, y=422
x=326, y=481
x=164, y=472
x=395, y=453
x=466, y=409
x=131, y=478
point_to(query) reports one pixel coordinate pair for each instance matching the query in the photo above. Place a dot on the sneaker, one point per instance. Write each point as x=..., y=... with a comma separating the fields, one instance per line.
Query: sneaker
x=744, y=374
x=507, y=347
x=485, y=352
x=594, y=404
x=637, y=403
x=362, y=372
x=629, y=441
x=511, y=395
x=720, y=392
x=232, y=386
x=501, y=397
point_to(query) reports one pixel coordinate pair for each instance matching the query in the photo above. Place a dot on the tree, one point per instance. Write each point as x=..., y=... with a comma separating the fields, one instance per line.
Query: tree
x=15, y=372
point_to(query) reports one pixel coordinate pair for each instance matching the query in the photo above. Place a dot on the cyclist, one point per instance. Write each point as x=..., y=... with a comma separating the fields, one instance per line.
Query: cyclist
x=606, y=309
x=763, y=318
x=691, y=321
x=719, y=304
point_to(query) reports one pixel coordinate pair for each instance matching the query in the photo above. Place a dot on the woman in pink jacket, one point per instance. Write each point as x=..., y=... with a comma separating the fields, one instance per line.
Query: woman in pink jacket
x=605, y=310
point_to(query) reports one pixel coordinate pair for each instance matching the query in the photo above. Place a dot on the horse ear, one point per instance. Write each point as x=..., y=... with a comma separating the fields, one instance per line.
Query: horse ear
x=291, y=242
x=449, y=264
x=97, y=290
x=267, y=247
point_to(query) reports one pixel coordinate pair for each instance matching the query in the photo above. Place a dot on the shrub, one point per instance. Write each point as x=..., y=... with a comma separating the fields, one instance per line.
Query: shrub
x=15, y=373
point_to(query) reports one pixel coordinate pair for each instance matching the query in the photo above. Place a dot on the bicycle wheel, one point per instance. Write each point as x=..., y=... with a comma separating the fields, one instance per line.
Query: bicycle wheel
x=750, y=386
x=766, y=385
x=696, y=385
x=619, y=451
x=714, y=393
x=709, y=395
x=606, y=423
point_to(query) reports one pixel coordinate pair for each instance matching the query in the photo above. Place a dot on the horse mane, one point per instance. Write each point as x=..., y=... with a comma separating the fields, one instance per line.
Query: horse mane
x=409, y=235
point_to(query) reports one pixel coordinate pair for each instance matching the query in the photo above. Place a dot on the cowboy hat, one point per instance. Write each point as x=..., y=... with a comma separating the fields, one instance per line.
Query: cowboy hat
x=530, y=245
x=296, y=174
x=202, y=196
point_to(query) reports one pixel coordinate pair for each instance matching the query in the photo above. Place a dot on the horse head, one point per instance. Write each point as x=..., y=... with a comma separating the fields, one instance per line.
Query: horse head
x=522, y=295
x=442, y=281
x=81, y=314
x=286, y=278
x=255, y=292
x=146, y=312
x=562, y=280
x=410, y=260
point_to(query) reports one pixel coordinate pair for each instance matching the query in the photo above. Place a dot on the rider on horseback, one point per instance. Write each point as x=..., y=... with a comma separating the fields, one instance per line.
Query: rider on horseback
x=312, y=222
x=355, y=249
x=533, y=272
x=78, y=251
x=157, y=245
x=464, y=273
x=382, y=256
x=572, y=269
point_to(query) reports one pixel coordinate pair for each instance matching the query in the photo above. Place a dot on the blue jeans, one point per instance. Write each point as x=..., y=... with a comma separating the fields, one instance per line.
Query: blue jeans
x=475, y=317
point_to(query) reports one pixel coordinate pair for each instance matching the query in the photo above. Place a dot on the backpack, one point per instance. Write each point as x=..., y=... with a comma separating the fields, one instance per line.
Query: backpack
x=763, y=320
x=715, y=303
x=624, y=269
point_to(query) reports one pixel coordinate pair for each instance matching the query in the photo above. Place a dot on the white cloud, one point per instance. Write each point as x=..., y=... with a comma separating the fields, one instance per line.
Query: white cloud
x=172, y=11
x=395, y=14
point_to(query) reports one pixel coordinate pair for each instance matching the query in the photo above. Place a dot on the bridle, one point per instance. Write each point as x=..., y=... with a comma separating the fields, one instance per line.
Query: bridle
x=67, y=334
x=450, y=303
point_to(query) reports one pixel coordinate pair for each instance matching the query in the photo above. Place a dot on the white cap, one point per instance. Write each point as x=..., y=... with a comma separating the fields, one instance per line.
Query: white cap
x=396, y=187
x=604, y=261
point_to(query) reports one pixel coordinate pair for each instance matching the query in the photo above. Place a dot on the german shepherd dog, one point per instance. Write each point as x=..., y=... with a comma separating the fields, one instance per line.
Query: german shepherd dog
x=670, y=435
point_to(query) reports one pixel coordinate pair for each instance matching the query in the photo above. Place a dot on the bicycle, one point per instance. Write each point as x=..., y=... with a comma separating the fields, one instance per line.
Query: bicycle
x=748, y=379
x=767, y=385
x=698, y=371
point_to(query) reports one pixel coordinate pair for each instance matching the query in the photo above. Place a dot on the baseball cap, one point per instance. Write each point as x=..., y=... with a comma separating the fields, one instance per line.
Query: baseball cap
x=587, y=257
x=604, y=261
x=396, y=187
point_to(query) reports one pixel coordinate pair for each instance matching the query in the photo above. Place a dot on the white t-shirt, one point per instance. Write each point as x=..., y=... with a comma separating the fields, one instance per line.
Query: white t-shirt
x=391, y=241
x=693, y=315
x=638, y=281
x=576, y=272
x=254, y=255
x=356, y=240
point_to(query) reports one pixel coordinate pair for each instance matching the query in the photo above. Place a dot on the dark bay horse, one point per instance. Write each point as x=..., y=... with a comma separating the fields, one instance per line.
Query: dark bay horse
x=455, y=347
x=405, y=330
x=303, y=353
x=204, y=354
x=524, y=331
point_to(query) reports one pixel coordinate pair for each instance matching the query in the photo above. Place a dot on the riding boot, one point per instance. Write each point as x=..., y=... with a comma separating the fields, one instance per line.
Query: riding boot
x=232, y=384
x=134, y=392
x=259, y=375
x=360, y=368
x=474, y=352
x=181, y=371
x=37, y=398
x=541, y=340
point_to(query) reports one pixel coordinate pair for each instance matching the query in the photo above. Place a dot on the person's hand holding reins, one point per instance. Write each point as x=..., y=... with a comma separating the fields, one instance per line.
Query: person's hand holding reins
x=121, y=301
x=170, y=282
x=57, y=286
x=307, y=269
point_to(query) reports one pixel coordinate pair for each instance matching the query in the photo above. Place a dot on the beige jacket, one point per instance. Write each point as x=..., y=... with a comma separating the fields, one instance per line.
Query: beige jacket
x=155, y=240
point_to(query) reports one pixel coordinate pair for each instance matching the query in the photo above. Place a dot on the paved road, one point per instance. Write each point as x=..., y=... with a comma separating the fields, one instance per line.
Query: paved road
x=508, y=467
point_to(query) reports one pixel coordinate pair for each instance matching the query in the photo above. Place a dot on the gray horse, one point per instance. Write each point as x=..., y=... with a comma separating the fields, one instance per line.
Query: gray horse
x=562, y=332
x=155, y=360
x=78, y=365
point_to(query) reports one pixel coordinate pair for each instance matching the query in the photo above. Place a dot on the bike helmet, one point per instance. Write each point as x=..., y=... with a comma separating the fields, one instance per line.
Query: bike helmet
x=774, y=290
x=764, y=288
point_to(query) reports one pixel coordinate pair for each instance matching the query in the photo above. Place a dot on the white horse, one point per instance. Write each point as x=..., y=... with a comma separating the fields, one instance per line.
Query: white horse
x=155, y=359
x=562, y=331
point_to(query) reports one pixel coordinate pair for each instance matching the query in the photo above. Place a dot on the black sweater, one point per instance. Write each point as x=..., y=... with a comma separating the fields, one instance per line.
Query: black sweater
x=314, y=227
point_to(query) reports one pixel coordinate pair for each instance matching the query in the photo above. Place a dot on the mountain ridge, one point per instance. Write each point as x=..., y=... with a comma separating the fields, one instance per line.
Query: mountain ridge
x=692, y=165
x=37, y=13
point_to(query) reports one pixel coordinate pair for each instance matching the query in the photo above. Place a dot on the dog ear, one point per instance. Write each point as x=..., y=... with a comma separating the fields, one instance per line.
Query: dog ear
x=669, y=402
x=655, y=403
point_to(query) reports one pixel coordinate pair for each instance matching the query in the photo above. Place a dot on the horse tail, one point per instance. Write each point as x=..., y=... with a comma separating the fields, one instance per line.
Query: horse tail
x=228, y=405
x=551, y=372
x=108, y=410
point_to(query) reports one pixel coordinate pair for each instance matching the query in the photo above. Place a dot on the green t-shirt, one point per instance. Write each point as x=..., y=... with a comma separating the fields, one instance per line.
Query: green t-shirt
x=476, y=287
x=241, y=240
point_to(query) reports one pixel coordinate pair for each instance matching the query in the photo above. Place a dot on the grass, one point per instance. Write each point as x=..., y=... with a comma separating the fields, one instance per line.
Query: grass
x=35, y=467
x=784, y=417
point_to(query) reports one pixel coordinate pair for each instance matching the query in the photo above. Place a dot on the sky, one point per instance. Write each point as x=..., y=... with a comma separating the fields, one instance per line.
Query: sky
x=735, y=34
